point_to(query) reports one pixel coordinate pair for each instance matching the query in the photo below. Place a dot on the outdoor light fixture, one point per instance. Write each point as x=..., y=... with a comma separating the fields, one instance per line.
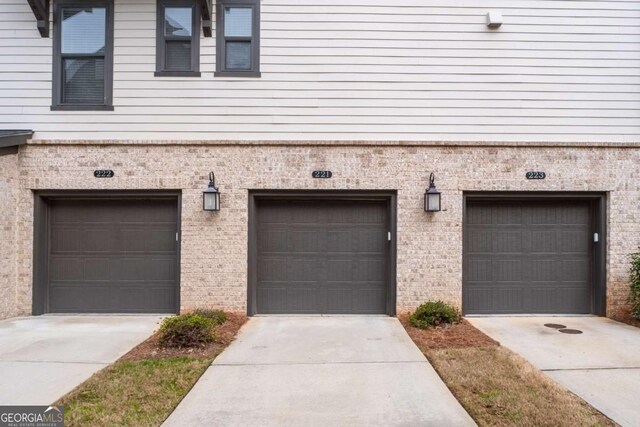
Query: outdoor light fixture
x=211, y=196
x=432, y=196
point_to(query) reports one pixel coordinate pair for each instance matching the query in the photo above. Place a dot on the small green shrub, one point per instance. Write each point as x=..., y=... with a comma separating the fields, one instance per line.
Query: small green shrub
x=186, y=330
x=634, y=283
x=434, y=313
x=218, y=316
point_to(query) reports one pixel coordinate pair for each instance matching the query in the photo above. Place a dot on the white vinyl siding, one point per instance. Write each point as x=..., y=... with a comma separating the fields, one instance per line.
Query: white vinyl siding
x=416, y=70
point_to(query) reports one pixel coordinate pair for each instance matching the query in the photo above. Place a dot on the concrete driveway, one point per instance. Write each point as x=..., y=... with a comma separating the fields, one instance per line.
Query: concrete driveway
x=319, y=371
x=601, y=365
x=43, y=358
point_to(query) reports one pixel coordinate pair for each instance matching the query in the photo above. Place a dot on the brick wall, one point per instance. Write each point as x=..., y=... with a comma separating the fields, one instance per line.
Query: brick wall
x=8, y=200
x=214, y=245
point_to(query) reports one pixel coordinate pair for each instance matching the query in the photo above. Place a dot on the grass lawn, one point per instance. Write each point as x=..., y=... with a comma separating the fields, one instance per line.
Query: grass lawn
x=496, y=386
x=145, y=385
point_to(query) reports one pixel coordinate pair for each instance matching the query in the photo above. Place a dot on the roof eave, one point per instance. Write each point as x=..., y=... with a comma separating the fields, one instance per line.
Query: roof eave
x=14, y=138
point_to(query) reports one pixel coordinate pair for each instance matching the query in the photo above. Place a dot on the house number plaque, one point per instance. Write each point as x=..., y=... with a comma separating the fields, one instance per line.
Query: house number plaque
x=103, y=173
x=321, y=174
x=536, y=175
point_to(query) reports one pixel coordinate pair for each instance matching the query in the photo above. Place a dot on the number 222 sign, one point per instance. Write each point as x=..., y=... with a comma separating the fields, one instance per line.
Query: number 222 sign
x=103, y=173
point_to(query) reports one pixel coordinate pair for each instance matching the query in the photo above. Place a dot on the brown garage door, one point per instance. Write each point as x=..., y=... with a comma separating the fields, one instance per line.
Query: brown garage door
x=321, y=256
x=527, y=257
x=113, y=256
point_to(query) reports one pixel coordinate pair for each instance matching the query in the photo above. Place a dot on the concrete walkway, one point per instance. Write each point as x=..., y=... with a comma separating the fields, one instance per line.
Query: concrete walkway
x=320, y=371
x=43, y=358
x=601, y=365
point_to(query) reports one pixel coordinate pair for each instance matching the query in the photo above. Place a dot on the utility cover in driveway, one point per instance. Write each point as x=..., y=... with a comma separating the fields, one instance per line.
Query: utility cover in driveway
x=113, y=256
x=600, y=365
x=527, y=257
x=321, y=256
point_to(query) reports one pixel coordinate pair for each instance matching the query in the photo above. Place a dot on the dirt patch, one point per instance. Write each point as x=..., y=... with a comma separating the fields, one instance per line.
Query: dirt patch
x=225, y=333
x=461, y=335
x=624, y=316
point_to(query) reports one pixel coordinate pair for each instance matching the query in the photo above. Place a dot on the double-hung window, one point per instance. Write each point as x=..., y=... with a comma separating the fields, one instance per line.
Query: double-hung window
x=178, y=38
x=83, y=55
x=238, y=38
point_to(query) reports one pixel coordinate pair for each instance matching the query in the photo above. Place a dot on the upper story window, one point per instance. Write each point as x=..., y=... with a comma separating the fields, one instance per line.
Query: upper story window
x=238, y=38
x=178, y=38
x=83, y=55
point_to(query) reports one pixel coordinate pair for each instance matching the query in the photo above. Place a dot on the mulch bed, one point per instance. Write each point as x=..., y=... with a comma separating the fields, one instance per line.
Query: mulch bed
x=225, y=333
x=624, y=316
x=461, y=335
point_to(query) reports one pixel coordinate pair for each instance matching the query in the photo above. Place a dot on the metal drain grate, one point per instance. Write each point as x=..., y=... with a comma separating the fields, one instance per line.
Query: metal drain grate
x=554, y=325
x=570, y=331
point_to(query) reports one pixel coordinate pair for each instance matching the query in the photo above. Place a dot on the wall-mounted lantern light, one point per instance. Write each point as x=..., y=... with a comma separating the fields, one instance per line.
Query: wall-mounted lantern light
x=432, y=196
x=211, y=196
